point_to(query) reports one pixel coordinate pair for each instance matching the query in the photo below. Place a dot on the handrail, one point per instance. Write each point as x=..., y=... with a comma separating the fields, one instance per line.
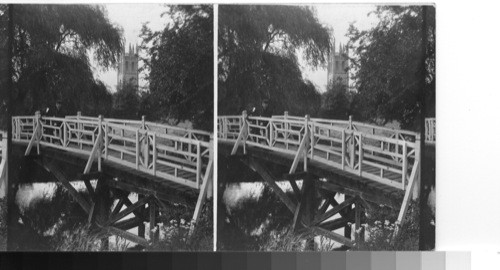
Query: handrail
x=175, y=154
x=430, y=130
x=384, y=155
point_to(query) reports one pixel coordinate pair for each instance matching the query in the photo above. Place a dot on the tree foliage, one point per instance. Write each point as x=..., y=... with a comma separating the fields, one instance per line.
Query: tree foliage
x=126, y=102
x=257, y=50
x=51, y=57
x=389, y=68
x=180, y=66
x=339, y=103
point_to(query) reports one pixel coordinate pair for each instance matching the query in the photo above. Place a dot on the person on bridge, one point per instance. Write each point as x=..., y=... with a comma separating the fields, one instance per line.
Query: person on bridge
x=264, y=111
x=56, y=111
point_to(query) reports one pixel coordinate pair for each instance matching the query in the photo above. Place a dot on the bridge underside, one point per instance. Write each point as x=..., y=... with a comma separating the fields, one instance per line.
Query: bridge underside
x=314, y=207
x=114, y=184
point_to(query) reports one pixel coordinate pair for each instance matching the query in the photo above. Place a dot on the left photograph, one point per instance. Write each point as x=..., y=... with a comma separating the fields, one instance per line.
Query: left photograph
x=112, y=128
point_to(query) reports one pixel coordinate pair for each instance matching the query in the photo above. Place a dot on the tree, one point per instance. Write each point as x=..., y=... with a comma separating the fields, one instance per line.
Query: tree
x=126, y=102
x=389, y=61
x=258, y=57
x=180, y=66
x=51, y=57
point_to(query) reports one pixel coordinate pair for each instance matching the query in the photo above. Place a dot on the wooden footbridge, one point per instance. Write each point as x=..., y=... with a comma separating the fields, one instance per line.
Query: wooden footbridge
x=370, y=165
x=164, y=164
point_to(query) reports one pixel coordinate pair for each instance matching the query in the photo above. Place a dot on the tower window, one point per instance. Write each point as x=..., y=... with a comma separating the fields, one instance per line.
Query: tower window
x=126, y=65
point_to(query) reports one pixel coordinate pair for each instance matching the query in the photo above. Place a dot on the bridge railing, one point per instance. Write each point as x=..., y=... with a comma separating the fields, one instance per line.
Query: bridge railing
x=179, y=155
x=384, y=155
x=430, y=130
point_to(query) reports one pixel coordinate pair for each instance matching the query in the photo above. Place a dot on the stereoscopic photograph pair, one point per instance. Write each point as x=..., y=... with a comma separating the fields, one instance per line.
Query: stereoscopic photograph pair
x=320, y=135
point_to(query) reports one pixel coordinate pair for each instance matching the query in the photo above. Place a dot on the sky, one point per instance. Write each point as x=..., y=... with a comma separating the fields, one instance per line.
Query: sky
x=130, y=17
x=337, y=16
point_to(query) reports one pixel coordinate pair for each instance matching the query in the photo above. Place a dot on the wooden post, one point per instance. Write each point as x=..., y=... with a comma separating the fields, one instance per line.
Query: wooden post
x=198, y=164
x=99, y=150
x=360, y=154
x=359, y=230
x=137, y=150
x=141, y=229
x=405, y=166
x=39, y=132
x=79, y=127
x=416, y=186
x=246, y=131
x=153, y=229
x=306, y=137
x=106, y=140
x=311, y=132
x=155, y=154
x=350, y=123
x=65, y=133
x=211, y=157
x=285, y=117
x=271, y=132
x=343, y=149
x=143, y=119
x=347, y=212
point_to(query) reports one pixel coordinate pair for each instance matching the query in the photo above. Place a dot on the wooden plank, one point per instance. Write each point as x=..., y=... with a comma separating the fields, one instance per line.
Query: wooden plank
x=299, y=154
x=59, y=175
x=127, y=235
x=129, y=210
x=335, y=224
x=266, y=176
x=334, y=236
x=93, y=153
x=333, y=211
x=128, y=223
x=409, y=190
x=118, y=207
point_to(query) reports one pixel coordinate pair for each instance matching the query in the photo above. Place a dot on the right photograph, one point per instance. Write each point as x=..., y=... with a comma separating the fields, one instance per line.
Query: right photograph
x=326, y=127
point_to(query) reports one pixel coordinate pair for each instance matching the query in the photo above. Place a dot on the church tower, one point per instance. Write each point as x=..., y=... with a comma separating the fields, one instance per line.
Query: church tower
x=128, y=67
x=338, y=64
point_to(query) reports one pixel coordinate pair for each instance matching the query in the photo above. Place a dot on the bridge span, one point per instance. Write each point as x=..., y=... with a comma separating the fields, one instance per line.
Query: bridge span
x=369, y=164
x=164, y=164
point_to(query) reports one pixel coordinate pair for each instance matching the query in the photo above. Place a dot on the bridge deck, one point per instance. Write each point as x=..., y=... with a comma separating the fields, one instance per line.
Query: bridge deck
x=349, y=183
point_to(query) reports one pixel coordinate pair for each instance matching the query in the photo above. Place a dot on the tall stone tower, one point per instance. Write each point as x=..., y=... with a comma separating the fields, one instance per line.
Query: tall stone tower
x=128, y=69
x=337, y=65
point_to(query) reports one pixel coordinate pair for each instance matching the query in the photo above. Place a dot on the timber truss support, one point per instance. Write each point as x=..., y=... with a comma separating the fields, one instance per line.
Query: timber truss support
x=315, y=212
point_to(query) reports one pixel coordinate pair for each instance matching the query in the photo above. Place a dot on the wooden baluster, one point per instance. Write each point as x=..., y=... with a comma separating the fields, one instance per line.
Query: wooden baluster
x=198, y=164
x=312, y=132
x=154, y=154
x=137, y=149
x=405, y=166
x=286, y=129
x=106, y=140
x=360, y=155
x=306, y=137
x=246, y=130
x=343, y=149
x=79, y=127
x=38, y=132
x=211, y=157
x=271, y=132
x=99, y=141
x=65, y=133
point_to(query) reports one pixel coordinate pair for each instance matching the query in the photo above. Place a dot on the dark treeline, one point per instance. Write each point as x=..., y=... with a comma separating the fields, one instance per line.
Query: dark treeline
x=392, y=71
x=54, y=45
